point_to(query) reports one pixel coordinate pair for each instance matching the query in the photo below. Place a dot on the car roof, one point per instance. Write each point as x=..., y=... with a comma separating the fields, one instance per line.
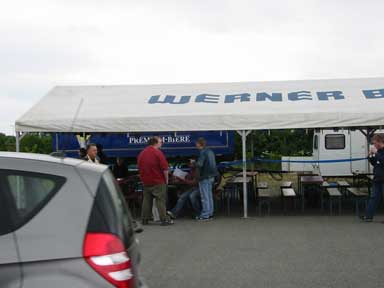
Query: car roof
x=52, y=159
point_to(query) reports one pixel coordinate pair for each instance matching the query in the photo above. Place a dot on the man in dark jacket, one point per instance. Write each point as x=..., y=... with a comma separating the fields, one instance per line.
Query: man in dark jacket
x=206, y=165
x=102, y=157
x=376, y=158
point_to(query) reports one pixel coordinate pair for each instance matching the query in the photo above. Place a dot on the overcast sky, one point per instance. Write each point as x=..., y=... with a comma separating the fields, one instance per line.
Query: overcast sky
x=44, y=43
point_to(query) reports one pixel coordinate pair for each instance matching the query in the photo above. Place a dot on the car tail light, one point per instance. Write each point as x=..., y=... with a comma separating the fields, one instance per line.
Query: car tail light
x=106, y=254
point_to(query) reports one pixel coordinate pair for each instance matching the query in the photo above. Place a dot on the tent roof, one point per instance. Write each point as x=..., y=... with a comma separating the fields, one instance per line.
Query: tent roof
x=211, y=106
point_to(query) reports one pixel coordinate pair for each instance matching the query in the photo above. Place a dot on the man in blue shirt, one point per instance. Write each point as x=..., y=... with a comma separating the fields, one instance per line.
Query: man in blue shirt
x=207, y=171
x=376, y=158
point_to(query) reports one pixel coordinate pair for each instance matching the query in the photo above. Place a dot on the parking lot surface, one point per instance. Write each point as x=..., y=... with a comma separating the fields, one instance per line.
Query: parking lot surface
x=276, y=251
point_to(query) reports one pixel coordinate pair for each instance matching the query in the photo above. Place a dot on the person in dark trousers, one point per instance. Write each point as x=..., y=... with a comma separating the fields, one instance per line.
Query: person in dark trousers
x=192, y=194
x=120, y=170
x=206, y=165
x=376, y=158
x=103, y=159
x=153, y=169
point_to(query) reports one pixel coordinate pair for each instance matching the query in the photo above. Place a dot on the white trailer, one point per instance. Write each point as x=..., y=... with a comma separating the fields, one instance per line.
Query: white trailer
x=334, y=144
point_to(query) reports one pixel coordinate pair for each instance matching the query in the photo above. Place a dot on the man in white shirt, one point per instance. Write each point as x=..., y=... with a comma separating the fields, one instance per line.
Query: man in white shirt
x=91, y=154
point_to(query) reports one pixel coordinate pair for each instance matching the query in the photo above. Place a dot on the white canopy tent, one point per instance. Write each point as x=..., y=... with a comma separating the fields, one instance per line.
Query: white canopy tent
x=213, y=106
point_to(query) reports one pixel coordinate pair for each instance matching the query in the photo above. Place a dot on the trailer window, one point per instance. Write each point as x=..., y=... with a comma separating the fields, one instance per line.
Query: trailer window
x=334, y=141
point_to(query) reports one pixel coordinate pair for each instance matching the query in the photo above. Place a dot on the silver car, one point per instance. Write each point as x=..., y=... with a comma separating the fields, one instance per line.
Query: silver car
x=63, y=223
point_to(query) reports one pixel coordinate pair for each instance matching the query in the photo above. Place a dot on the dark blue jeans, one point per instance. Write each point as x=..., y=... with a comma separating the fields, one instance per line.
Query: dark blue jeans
x=375, y=199
x=206, y=197
x=192, y=195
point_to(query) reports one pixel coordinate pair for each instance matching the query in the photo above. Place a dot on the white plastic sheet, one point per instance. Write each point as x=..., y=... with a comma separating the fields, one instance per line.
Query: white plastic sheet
x=213, y=106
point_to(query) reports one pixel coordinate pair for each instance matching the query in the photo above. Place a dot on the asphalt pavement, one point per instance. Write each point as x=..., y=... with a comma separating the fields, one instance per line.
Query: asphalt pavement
x=276, y=251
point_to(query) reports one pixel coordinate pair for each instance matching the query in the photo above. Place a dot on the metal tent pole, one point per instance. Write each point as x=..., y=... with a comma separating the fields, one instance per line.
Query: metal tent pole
x=17, y=141
x=244, y=134
x=252, y=152
x=57, y=142
x=368, y=135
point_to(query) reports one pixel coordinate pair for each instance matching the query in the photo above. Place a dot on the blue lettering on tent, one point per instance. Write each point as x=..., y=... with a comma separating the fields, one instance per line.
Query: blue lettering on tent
x=275, y=97
x=260, y=96
x=207, y=98
x=299, y=95
x=170, y=99
x=324, y=96
x=372, y=94
x=243, y=97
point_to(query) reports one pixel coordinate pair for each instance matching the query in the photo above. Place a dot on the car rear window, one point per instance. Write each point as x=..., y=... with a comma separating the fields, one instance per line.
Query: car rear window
x=110, y=213
x=26, y=193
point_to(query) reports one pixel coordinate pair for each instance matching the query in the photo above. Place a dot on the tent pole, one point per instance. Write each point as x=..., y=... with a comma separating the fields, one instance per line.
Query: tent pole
x=244, y=134
x=245, y=192
x=57, y=142
x=17, y=141
x=367, y=138
x=368, y=135
x=253, y=152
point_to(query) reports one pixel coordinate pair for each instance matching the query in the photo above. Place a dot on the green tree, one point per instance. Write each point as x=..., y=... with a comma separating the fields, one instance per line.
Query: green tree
x=32, y=143
x=7, y=143
x=278, y=143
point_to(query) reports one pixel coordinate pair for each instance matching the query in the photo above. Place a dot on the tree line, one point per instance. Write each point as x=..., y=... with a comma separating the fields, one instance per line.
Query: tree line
x=32, y=143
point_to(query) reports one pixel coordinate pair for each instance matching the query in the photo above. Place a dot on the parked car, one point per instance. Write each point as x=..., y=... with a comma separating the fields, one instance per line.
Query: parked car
x=64, y=223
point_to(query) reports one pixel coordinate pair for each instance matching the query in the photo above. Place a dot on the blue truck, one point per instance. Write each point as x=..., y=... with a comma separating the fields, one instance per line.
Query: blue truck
x=129, y=145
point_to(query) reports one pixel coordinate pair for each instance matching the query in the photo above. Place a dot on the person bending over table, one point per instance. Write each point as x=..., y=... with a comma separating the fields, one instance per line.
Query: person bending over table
x=192, y=194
